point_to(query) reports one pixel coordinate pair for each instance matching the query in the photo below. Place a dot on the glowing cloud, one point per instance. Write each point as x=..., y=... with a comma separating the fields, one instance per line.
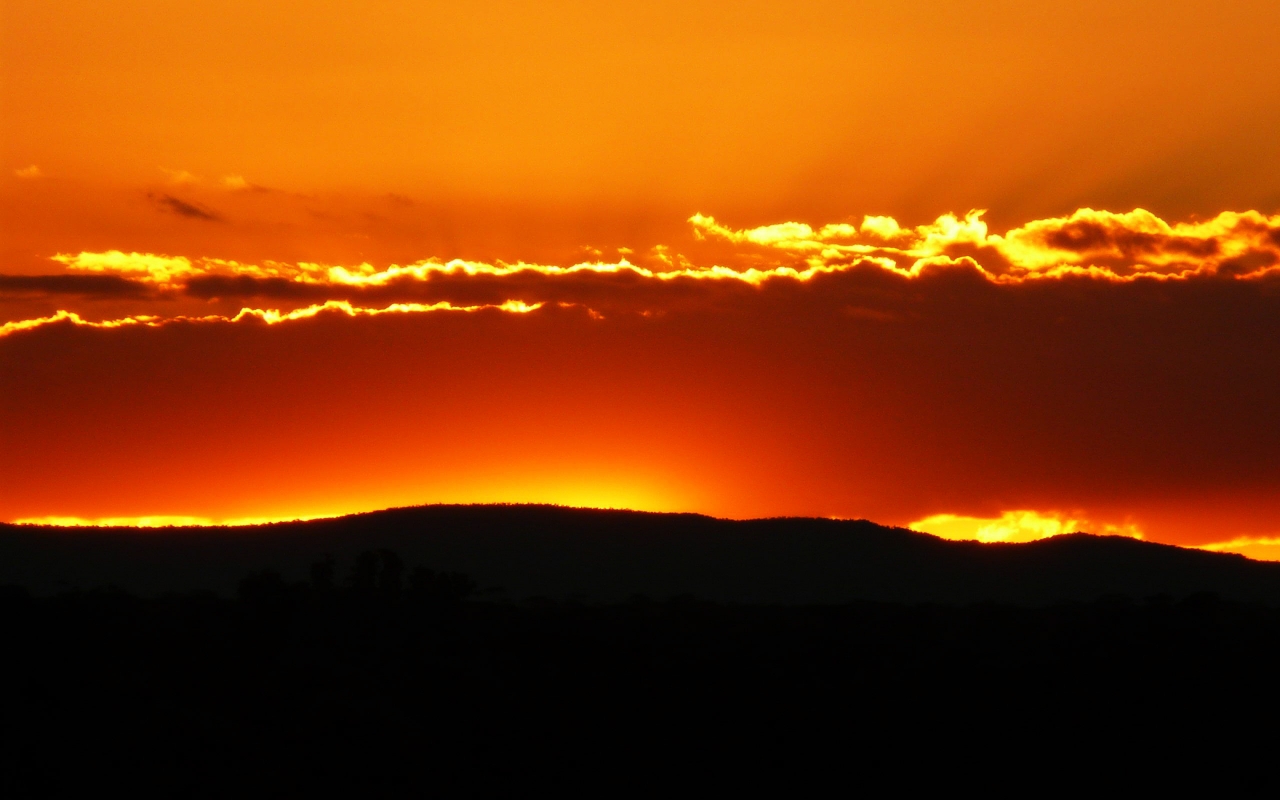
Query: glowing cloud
x=29, y=173
x=1096, y=243
x=1099, y=243
x=1092, y=245
x=75, y=319
x=171, y=272
x=157, y=269
x=268, y=316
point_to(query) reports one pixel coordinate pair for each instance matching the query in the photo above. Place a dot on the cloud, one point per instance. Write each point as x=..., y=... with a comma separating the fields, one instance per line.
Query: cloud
x=161, y=270
x=180, y=177
x=878, y=271
x=233, y=182
x=1141, y=243
x=210, y=275
x=85, y=285
x=1100, y=243
x=71, y=317
x=1091, y=244
x=182, y=208
x=237, y=183
x=29, y=173
x=267, y=316
x=1018, y=526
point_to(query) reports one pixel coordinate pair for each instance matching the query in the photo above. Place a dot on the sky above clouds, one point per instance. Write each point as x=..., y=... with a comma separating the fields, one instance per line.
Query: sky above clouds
x=1002, y=271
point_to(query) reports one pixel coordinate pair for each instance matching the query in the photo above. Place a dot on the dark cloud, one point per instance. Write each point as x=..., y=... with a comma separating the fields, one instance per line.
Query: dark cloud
x=207, y=287
x=84, y=285
x=168, y=202
x=622, y=290
x=1083, y=236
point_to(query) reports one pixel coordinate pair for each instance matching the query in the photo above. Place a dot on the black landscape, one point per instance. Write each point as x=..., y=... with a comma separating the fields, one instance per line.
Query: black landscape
x=483, y=650
x=522, y=551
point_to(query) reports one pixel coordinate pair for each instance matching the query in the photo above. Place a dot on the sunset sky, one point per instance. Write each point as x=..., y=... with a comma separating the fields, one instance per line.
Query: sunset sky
x=997, y=270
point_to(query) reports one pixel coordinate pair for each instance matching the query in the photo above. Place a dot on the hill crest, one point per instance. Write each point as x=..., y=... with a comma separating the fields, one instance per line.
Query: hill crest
x=610, y=554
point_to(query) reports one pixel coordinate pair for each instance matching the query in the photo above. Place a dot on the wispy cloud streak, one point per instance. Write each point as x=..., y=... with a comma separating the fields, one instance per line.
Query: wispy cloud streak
x=267, y=316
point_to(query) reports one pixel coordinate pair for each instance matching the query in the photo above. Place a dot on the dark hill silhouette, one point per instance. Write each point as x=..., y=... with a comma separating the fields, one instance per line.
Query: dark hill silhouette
x=376, y=670
x=598, y=555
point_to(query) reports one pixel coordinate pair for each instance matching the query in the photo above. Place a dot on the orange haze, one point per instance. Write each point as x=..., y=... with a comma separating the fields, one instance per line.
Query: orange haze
x=277, y=259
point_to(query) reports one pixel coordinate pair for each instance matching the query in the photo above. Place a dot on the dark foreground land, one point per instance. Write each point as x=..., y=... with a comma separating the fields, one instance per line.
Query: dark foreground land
x=519, y=552
x=370, y=674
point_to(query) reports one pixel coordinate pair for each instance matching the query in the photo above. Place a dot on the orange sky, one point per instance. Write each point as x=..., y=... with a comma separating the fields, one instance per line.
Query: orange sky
x=1109, y=370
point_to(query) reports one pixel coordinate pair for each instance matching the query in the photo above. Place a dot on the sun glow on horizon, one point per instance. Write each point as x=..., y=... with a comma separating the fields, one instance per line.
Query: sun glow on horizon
x=1011, y=527
x=623, y=494
x=1017, y=527
x=1259, y=548
x=163, y=521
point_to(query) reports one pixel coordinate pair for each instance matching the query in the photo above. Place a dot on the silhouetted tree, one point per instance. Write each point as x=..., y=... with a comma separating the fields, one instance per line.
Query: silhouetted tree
x=391, y=576
x=322, y=574
x=364, y=573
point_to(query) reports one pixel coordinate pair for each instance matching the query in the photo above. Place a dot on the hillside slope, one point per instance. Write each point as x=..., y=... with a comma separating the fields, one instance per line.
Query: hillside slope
x=558, y=552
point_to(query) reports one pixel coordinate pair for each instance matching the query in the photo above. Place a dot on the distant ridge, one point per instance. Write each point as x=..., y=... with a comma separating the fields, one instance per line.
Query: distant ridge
x=605, y=555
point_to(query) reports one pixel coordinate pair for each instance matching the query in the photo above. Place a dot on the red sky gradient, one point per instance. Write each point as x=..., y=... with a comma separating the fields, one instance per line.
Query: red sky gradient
x=781, y=304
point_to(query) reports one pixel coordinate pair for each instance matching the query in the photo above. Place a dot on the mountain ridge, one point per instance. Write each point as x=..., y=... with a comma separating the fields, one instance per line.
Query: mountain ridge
x=607, y=555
